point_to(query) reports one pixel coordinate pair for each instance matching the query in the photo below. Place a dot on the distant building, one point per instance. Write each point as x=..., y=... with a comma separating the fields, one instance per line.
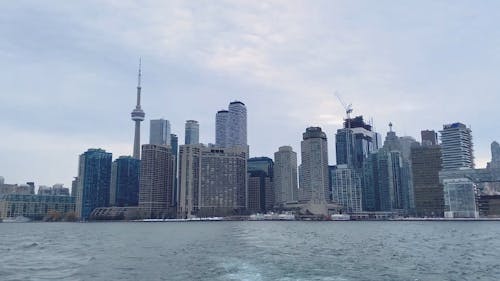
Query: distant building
x=174, y=144
x=156, y=181
x=159, y=132
x=260, y=184
x=74, y=187
x=495, y=156
x=56, y=189
x=346, y=189
x=94, y=174
x=314, y=184
x=429, y=137
x=192, y=132
x=458, y=163
x=212, y=181
x=35, y=207
x=124, y=190
x=426, y=165
x=231, y=126
x=285, y=176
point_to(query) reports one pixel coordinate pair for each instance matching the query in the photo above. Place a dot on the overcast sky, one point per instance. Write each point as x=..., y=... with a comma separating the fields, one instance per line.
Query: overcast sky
x=69, y=72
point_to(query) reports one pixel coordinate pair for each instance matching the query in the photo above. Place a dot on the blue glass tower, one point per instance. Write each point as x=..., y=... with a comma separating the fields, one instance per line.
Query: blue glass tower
x=94, y=174
x=260, y=184
x=125, y=182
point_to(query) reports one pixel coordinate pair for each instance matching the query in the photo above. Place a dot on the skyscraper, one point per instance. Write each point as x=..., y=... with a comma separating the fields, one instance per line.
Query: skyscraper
x=346, y=189
x=174, y=144
x=260, y=184
x=456, y=143
x=426, y=164
x=429, y=137
x=221, y=128
x=138, y=116
x=285, y=176
x=94, y=174
x=457, y=161
x=314, y=185
x=159, y=132
x=124, y=190
x=495, y=156
x=156, y=181
x=231, y=126
x=192, y=132
x=212, y=181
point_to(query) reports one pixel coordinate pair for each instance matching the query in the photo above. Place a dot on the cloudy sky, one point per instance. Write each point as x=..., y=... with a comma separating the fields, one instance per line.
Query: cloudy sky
x=68, y=72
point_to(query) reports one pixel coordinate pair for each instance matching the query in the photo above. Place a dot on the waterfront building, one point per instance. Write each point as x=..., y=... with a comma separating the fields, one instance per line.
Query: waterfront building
x=159, y=132
x=124, y=190
x=458, y=162
x=231, y=126
x=156, y=181
x=212, y=181
x=426, y=165
x=192, y=132
x=314, y=184
x=346, y=189
x=138, y=116
x=56, y=189
x=429, y=137
x=285, y=176
x=174, y=144
x=36, y=207
x=94, y=174
x=260, y=184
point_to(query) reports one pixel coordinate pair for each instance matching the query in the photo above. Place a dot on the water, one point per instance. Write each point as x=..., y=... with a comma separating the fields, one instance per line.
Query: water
x=251, y=251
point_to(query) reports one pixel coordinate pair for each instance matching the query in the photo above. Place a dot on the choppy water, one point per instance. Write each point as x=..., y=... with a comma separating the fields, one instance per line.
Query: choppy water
x=251, y=251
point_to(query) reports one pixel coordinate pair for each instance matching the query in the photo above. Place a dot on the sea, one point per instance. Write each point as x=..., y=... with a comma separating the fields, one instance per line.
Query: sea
x=251, y=250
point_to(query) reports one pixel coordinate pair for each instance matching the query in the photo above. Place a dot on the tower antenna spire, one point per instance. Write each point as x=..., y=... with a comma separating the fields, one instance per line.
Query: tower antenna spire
x=139, y=75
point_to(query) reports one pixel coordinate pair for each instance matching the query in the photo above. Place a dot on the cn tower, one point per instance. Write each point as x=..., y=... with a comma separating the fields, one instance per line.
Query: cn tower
x=138, y=116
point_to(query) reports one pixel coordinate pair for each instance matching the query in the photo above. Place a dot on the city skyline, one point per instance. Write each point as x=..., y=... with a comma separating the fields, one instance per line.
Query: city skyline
x=285, y=74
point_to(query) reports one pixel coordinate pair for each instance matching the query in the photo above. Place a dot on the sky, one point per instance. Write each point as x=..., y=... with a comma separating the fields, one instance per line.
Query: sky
x=69, y=72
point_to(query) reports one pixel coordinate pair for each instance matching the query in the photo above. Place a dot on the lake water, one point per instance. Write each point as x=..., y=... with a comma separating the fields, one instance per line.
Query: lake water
x=251, y=251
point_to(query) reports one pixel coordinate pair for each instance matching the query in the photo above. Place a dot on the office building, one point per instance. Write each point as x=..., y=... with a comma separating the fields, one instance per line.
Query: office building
x=212, y=181
x=429, y=137
x=192, y=132
x=260, y=184
x=156, y=181
x=94, y=174
x=456, y=145
x=124, y=190
x=285, y=176
x=159, y=132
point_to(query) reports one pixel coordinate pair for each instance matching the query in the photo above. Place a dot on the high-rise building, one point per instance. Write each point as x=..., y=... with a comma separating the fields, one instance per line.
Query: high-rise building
x=231, y=126
x=355, y=142
x=94, y=174
x=174, y=144
x=192, y=132
x=285, y=176
x=212, y=181
x=124, y=190
x=138, y=116
x=426, y=165
x=260, y=184
x=458, y=160
x=156, y=181
x=346, y=189
x=159, y=132
x=74, y=186
x=429, y=137
x=221, y=128
x=495, y=156
x=314, y=181
x=456, y=144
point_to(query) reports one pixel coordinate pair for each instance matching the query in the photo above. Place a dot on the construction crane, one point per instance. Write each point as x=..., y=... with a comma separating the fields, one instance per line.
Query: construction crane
x=348, y=110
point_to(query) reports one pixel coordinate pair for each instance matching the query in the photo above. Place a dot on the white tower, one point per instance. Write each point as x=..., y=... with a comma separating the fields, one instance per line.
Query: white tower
x=138, y=116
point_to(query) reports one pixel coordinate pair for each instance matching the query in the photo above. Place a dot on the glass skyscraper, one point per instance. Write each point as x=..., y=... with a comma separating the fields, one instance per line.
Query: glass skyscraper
x=125, y=182
x=192, y=132
x=94, y=174
x=159, y=132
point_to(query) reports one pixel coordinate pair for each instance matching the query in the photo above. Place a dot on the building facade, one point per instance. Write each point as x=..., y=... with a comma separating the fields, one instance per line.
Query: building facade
x=156, y=181
x=212, y=181
x=260, y=184
x=231, y=126
x=35, y=207
x=285, y=176
x=159, y=132
x=94, y=174
x=346, y=189
x=192, y=132
x=124, y=190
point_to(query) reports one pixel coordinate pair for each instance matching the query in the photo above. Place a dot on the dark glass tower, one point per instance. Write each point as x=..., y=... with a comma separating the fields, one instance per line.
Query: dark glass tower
x=125, y=182
x=260, y=184
x=94, y=174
